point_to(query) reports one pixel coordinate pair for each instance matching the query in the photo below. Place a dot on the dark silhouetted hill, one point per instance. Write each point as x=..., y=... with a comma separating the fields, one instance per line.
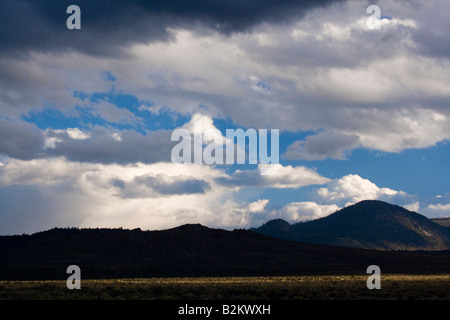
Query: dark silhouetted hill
x=368, y=224
x=192, y=250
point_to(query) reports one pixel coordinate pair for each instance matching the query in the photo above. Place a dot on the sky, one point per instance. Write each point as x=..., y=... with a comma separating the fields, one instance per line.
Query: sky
x=87, y=115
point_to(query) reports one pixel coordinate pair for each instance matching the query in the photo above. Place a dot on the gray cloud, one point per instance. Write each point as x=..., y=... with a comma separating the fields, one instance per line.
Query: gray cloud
x=109, y=26
x=20, y=139
x=174, y=185
x=148, y=186
x=113, y=146
x=433, y=42
x=432, y=36
x=23, y=140
x=24, y=83
x=113, y=114
x=326, y=71
x=326, y=144
x=32, y=208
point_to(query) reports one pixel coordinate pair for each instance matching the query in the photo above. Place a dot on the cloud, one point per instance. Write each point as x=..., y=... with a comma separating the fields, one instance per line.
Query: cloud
x=153, y=196
x=285, y=177
x=107, y=27
x=40, y=172
x=103, y=145
x=77, y=134
x=437, y=210
x=430, y=38
x=202, y=125
x=305, y=211
x=258, y=206
x=41, y=82
x=150, y=196
x=30, y=208
x=99, y=144
x=113, y=114
x=325, y=72
x=352, y=188
x=146, y=186
x=321, y=146
x=164, y=184
x=343, y=192
x=20, y=139
x=415, y=206
x=67, y=193
x=297, y=66
x=23, y=140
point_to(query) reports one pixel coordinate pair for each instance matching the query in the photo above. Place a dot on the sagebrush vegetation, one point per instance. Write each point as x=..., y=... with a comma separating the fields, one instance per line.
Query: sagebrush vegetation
x=338, y=287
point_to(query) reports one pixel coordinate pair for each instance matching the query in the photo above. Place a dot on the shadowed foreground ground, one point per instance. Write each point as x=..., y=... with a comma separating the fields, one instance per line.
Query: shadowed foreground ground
x=346, y=287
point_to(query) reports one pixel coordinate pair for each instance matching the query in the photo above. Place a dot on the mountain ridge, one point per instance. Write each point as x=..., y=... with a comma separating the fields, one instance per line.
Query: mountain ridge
x=192, y=251
x=370, y=224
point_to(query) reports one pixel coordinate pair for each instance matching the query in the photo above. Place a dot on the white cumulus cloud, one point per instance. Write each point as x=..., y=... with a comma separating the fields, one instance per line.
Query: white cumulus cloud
x=305, y=211
x=352, y=188
x=437, y=210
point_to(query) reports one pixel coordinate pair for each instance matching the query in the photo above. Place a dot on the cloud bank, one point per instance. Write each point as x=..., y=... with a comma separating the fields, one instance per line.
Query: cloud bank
x=86, y=115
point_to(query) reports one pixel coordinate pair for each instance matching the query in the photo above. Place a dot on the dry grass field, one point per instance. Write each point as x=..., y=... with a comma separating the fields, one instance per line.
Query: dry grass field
x=345, y=287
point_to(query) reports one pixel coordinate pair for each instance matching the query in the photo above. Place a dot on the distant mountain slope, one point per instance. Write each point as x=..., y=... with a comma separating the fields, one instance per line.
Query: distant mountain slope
x=445, y=222
x=367, y=224
x=192, y=250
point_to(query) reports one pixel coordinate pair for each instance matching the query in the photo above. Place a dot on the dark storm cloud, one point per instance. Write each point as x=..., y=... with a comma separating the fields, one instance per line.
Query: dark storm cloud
x=108, y=26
